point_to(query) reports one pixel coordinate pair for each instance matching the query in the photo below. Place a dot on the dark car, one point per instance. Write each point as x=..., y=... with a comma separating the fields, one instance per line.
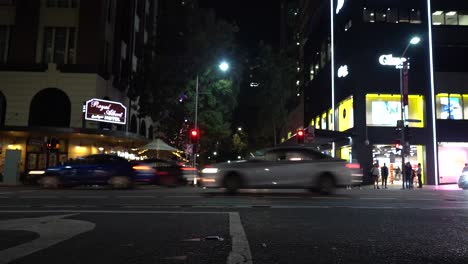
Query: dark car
x=91, y=170
x=158, y=171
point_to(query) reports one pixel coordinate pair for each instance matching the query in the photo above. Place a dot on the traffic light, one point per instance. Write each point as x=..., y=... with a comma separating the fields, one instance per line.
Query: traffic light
x=398, y=145
x=194, y=135
x=300, y=134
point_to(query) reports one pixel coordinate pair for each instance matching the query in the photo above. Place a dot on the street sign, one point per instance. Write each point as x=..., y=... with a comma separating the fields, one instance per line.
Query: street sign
x=413, y=120
x=105, y=111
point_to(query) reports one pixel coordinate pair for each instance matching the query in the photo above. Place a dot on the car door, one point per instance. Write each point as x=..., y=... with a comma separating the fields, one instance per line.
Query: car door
x=257, y=171
x=295, y=168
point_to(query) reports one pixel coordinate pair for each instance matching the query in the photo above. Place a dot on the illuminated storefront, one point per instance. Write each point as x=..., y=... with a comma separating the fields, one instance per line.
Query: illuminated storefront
x=385, y=110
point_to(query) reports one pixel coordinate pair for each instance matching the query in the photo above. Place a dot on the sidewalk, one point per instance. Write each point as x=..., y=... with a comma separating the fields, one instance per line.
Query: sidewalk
x=394, y=187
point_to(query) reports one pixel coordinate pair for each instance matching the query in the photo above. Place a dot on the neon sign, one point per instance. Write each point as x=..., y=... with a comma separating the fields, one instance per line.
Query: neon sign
x=389, y=60
x=343, y=71
x=105, y=111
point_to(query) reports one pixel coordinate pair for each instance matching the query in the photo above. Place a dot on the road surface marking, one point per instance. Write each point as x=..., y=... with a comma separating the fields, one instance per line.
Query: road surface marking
x=136, y=197
x=87, y=197
x=38, y=197
x=240, y=252
x=51, y=230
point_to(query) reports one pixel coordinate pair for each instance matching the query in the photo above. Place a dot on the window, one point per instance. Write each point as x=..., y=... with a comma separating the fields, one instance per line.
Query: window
x=438, y=18
x=415, y=16
x=62, y=3
x=368, y=15
x=59, y=45
x=381, y=16
x=451, y=18
x=392, y=15
x=463, y=18
x=450, y=106
x=4, y=43
x=384, y=110
x=404, y=16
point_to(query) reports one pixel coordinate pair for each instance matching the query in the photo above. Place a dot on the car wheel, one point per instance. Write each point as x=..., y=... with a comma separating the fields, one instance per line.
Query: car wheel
x=326, y=185
x=120, y=182
x=232, y=183
x=49, y=182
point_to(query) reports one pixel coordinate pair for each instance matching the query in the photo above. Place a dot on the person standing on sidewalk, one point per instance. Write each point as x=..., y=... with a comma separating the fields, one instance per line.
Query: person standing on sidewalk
x=384, y=174
x=375, y=175
x=409, y=175
x=419, y=173
x=465, y=169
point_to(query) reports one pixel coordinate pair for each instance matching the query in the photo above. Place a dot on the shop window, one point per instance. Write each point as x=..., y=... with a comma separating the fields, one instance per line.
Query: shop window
x=452, y=157
x=385, y=110
x=450, y=106
x=368, y=15
x=415, y=16
x=438, y=18
x=392, y=15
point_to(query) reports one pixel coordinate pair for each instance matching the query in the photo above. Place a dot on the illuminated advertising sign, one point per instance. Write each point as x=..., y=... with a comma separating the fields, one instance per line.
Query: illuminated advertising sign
x=105, y=111
x=389, y=60
x=343, y=71
x=339, y=6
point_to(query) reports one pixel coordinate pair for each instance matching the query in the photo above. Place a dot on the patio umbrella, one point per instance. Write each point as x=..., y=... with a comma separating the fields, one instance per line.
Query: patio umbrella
x=158, y=145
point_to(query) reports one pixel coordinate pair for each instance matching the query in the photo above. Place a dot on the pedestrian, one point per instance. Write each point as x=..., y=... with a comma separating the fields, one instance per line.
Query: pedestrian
x=398, y=174
x=408, y=175
x=384, y=174
x=375, y=175
x=465, y=169
x=419, y=174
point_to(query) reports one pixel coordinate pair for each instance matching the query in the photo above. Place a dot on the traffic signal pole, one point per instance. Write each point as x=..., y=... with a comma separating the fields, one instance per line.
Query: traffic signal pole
x=194, y=147
x=402, y=131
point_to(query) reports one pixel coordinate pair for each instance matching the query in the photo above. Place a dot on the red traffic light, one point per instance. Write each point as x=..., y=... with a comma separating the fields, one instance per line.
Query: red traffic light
x=300, y=133
x=194, y=135
x=300, y=136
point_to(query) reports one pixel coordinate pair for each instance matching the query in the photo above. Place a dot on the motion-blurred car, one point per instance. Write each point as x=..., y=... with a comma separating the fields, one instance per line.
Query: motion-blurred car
x=463, y=181
x=284, y=167
x=91, y=170
x=157, y=171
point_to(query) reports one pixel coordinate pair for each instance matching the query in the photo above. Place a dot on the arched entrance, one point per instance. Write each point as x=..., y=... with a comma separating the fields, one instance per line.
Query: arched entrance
x=143, y=128
x=2, y=109
x=50, y=107
x=133, y=124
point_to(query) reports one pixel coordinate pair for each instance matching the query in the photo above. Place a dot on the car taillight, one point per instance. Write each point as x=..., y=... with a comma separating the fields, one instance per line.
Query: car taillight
x=353, y=166
x=142, y=168
x=188, y=169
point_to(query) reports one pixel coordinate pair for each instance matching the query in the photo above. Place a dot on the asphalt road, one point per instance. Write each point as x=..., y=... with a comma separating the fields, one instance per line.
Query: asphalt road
x=193, y=225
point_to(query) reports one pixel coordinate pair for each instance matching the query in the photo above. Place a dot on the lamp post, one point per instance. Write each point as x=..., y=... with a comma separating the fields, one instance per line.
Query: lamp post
x=224, y=67
x=403, y=102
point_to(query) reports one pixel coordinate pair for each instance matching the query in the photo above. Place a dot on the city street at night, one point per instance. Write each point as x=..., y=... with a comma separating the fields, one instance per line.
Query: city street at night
x=194, y=225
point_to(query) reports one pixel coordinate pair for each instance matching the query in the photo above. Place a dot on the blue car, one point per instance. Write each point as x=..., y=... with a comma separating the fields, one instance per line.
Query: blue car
x=91, y=170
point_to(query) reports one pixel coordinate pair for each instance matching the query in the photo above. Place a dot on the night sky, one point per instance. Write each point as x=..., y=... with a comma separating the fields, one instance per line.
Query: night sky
x=257, y=19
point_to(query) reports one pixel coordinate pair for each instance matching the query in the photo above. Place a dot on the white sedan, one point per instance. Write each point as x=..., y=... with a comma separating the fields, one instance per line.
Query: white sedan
x=283, y=167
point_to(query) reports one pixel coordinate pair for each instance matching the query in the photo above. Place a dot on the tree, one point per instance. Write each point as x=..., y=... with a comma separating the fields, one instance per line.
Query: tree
x=270, y=102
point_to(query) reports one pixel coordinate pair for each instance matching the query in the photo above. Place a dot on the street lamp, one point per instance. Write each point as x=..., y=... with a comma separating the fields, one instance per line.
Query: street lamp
x=404, y=92
x=223, y=66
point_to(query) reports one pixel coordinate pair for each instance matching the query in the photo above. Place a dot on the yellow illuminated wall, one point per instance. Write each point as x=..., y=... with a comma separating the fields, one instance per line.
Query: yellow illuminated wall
x=345, y=115
x=345, y=152
x=317, y=122
x=388, y=118
x=324, y=121
x=289, y=135
x=330, y=120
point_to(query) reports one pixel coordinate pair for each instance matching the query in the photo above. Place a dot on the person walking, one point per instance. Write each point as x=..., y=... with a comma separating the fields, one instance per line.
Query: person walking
x=465, y=169
x=419, y=174
x=409, y=175
x=384, y=174
x=375, y=175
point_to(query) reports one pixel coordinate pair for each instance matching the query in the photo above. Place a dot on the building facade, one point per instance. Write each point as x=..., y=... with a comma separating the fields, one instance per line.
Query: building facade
x=353, y=53
x=55, y=55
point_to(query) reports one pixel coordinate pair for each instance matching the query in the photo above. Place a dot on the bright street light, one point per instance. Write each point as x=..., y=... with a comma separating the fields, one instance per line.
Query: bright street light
x=415, y=40
x=239, y=129
x=224, y=66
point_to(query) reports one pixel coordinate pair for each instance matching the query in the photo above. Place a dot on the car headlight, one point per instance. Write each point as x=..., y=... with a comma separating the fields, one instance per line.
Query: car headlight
x=210, y=170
